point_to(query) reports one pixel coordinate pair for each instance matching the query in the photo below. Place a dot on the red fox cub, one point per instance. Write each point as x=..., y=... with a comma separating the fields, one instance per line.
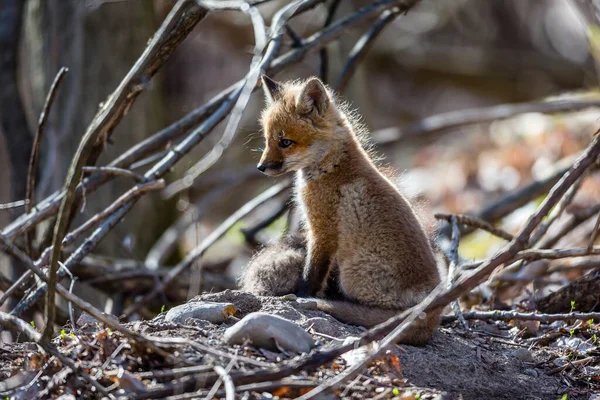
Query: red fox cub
x=365, y=244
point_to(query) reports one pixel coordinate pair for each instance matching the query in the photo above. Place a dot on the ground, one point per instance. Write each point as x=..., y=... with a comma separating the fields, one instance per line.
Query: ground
x=484, y=363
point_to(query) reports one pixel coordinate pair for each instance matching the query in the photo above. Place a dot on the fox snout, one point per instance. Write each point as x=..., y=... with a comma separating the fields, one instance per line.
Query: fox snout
x=270, y=166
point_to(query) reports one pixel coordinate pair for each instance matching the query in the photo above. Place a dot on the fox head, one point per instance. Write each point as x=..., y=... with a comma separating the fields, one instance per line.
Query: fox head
x=299, y=124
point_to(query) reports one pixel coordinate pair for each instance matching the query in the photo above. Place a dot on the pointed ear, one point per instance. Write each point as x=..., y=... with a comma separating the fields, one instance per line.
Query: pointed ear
x=271, y=88
x=313, y=98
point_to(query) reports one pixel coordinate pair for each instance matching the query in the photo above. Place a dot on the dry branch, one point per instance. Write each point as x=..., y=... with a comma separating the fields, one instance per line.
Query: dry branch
x=37, y=141
x=476, y=223
x=361, y=47
x=514, y=315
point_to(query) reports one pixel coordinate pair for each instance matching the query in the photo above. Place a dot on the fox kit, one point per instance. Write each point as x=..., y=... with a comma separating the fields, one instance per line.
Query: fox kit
x=364, y=244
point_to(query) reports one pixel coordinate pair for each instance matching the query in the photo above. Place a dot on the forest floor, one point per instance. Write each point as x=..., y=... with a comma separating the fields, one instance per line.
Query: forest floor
x=487, y=362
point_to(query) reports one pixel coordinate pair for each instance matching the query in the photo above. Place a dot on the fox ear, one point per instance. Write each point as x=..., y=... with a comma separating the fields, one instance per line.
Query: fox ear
x=313, y=98
x=271, y=88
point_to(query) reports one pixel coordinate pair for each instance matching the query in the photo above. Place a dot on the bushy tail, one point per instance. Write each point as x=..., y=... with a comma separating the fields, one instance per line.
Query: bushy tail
x=368, y=316
x=276, y=269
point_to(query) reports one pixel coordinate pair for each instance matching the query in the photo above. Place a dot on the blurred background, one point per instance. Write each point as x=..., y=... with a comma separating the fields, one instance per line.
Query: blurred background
x=442, y=56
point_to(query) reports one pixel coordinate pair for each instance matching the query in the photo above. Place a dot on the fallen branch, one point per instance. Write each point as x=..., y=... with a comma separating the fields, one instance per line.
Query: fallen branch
x=476, y=223
x=514, y=315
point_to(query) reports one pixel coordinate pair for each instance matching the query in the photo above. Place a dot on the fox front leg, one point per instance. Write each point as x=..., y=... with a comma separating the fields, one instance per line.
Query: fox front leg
x=315, y=270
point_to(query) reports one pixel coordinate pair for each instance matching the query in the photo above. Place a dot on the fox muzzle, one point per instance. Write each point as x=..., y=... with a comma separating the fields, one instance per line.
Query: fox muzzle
x=271, y=165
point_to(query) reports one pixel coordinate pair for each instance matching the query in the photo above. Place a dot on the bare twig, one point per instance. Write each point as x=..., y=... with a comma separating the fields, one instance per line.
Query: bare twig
x=576, y=219
x=17, y=325
x=587, y=159
x=476, y=223
x=514, y=315
x=507, y=204
x=13, y=204
x=362, y=46
x=251, y=232
x=323, y=56
x=197, y=252
x=556, y=213
x=168, y=240
x=37, y=141
x=594, y=234
x=454, y=266
x=114, y=171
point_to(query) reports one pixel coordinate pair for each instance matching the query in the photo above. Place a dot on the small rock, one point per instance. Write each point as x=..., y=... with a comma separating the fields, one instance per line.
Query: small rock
x=560, y=361
x=270, y=332
x=290, y=297
x=522, y=354
x=306, y=304
x=350, y=339
x=573, y=343
x=206, y=311
x=531, y=372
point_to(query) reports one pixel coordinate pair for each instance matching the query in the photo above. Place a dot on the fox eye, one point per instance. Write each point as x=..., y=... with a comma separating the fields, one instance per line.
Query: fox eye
x=283, y=143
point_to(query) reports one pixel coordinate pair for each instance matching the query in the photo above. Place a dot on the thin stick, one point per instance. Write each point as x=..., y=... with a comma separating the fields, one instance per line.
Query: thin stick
x=594, y=234
x=476, y=223
x=587, y=159
x=199, y=251
x=114, y=171
x=556, y=213
x=17, y=325
x=13, y=204
x=453, y=267
x=510, y=315
x=323, y=56
x=507, y=204
x=37, y=141
x=362, y=46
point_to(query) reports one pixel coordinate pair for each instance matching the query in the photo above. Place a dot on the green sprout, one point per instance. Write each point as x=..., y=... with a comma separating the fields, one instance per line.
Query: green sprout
x=396, y=391
x=162, y=309
x=62, y=333
x=572, y=305
x=32, y=323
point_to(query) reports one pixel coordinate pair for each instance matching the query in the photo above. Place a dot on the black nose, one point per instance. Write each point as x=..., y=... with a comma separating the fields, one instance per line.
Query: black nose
x=261, y=167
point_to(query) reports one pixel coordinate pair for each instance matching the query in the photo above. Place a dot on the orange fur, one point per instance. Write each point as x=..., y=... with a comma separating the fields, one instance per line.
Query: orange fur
x=357, y=222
